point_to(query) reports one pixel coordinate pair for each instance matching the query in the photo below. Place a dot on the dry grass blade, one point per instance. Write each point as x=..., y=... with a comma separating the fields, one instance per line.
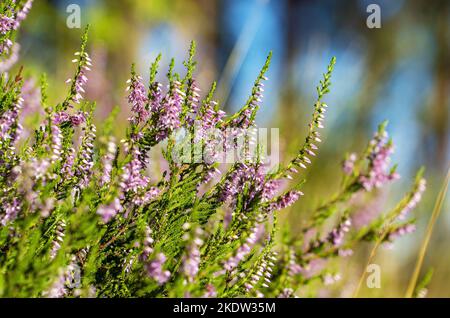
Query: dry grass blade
x=436, y=211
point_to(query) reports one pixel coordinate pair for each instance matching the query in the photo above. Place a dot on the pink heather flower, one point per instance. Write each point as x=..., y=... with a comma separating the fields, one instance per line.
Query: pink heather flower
x=6, y=64
x=379, y=159
x=9, y=126
x=67, y=168
x=61, y=117
x=191, y=261
x=210, y=117
x=132, y=178
x=109, y=211
x=286, y=293
x=336, y=236
x=285, y=200
x=210, y=291
x=243, y=250
x=349, y=164
x=59, y=237
x=7, y=24
x=10, y=23
x=78, y=119
x=57, y=139
x=169, y=118
x=147, y=197
x=401, y=231
x=245, y=120
x=192, y=102
x=58, y=289
x=11, y=210
x=107, y=162
x=85, y=159
x=147, y=244
x=330, y=279
x=80, y=80
x=155, y=97
x=293, y=267
x=414, y=199
x=155, y=269
x=22, y=14
x=210, y=174
x=234, y=182
x=138, y=99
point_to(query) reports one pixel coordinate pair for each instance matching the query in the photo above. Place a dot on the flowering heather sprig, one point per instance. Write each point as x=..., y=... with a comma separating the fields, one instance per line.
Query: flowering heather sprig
x=132, y=178
x=85, y=160
x=336, y=236
x=109, y=211
x=137, y=97
x=243, y=250
x=349, y=164
x=245, y=117
x=191, y=261
x=10, y=20
x=147, y=249
x=80, y=79
x=170, y=117
x=8, y=63
x=68, y=165
x=11, y=211
x=288, y=199
x=263, y=272
x=401, y=231
x=309, y=148
x=155, y=269
x=192, y=102
x=59, y=238
x=57, y=139
x=107, y=161
x=414, y=198
x=380, y=149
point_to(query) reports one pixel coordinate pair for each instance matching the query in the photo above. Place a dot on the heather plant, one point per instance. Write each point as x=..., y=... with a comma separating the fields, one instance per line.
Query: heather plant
x=82, y=216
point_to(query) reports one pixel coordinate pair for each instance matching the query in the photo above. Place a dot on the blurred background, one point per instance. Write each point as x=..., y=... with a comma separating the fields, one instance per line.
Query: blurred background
x=399, y=72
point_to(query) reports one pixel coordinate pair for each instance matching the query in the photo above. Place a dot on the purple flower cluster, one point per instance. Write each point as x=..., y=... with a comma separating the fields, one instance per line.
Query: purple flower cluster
x=137, y=97
x=10, y=22
x=11, y=210
x=6, y=64
x=243, y=250
x=63, y=117
x=191, y=261
x=285, y=200
x=85, y=160
x=59, y=237
x=107, y=161
x=401, y=231
x=57, y=139
x=69, y=161
x=192, y=102
x=349, y=164
x=246, y=116
x=170, y=117
x=155, y=269
x=336, y=236
x=132, y=178
x=379, y=159
x=109, y=211
x=414, y=199
x=9, y=126
x=80, y=80
x=147, y=244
